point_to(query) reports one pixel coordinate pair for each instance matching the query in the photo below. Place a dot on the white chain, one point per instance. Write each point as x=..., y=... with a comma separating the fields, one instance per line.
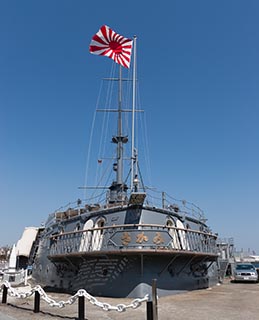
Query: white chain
x=80, y=293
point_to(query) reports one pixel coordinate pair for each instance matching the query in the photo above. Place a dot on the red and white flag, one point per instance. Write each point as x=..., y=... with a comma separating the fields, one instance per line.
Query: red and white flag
x=108, y=43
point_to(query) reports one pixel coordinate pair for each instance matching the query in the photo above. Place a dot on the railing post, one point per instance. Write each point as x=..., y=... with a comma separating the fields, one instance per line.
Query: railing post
x=81, y=308
x=36, y=302
x=150, y=310
x=154, y=299
x=4, y=296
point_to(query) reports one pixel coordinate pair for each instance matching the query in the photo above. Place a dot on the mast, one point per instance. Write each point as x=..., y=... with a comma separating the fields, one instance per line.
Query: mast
x=133, y=152
x=118, y=188
x=119, y=49
x=119, y=174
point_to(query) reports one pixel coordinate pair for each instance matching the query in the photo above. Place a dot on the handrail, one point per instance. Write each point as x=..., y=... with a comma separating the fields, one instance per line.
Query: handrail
x=142, y=236
x=151, y=201
x=134, y=225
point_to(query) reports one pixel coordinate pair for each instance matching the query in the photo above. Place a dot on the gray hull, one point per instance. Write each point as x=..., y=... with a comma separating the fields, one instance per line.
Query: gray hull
x=131, y=276
x=121, y=260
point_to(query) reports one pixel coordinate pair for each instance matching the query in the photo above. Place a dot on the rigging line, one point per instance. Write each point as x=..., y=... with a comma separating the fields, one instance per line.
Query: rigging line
x=128, y=175
x=181, y=200
x=127, y=101
x=106, y=116
x=184, y=202
x=145, y=141
x=108, y=177
x=103, y=141
x=155, y=198
x=101, y=200
x=141, y=178
x=95, y=197
x=105, y=183
x=65, y=206
x=101, y=178
x=91, y=139
x=101, y=135
x=159, y=191
x=147, y=152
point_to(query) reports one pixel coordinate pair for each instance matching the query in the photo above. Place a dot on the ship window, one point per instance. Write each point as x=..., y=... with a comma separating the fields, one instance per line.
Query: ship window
x=170, y=222
x=174, y=243
x=132, y=216
x=100, y=223
x=97, y=238
x=86, y=236
x=61, y=229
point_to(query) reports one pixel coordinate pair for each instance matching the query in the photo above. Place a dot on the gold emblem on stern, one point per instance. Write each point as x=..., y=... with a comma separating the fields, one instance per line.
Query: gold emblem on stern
x=158, y=239
x=126, y=238
x=141, y=237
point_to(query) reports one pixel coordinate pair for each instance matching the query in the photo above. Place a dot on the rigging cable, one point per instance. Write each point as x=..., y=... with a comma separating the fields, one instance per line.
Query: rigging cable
x=90, y=142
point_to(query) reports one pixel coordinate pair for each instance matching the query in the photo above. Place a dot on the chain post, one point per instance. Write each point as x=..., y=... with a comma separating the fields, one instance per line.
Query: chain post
x=154, y=299
x=4, y=296
x=81, y=308
x=36, y=302
x=150, y=310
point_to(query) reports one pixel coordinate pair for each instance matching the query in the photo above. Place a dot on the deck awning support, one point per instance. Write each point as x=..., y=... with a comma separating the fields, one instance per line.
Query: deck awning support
x=171, y=261
x=185, y=265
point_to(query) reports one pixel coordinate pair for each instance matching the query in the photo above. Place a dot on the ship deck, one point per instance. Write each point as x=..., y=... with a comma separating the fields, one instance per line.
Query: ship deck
x=138, y=252
x=133, y=239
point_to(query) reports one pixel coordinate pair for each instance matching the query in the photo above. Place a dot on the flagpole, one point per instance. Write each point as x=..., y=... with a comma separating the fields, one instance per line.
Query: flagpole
x=133, y=113
x=120, y=143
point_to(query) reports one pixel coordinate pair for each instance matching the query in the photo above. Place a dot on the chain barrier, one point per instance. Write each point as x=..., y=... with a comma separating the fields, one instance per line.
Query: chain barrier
x=80, y=293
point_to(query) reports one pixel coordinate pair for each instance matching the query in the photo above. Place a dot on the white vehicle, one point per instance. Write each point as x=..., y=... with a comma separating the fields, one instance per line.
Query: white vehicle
x=245, y=272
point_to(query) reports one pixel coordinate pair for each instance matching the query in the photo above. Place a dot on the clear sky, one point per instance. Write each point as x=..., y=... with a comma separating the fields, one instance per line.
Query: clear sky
x=199, y=77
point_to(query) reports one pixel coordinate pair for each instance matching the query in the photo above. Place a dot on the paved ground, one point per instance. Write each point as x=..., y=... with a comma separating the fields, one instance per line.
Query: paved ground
x=229, y=301
x=5, y=317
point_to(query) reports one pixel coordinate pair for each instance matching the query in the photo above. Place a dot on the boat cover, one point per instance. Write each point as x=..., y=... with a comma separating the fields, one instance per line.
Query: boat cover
x=24, y=245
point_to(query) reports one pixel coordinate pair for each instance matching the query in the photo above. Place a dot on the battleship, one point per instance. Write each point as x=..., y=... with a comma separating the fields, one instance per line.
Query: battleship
x=117, y=245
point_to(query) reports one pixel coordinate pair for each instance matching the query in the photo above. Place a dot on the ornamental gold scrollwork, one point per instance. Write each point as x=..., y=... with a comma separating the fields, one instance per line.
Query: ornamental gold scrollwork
x=141, y=237
x=158, y=239
x=126, y=238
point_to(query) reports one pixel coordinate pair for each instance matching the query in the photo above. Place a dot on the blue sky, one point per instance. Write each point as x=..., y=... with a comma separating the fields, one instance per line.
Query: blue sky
x=199, y=75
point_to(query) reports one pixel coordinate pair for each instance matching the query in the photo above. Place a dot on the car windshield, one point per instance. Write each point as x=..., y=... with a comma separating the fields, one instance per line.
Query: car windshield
x=256, y=264
x=244, y=267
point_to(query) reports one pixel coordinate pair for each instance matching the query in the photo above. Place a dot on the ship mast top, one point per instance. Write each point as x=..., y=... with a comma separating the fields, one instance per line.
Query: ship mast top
x=118, y=189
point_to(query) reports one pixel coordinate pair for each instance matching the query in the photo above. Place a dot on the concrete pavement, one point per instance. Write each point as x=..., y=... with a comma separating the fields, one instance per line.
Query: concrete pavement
x=229, y=301
x=5, y=317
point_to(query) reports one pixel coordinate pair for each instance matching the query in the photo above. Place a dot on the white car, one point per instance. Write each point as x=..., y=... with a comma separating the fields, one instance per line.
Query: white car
x=245, y=272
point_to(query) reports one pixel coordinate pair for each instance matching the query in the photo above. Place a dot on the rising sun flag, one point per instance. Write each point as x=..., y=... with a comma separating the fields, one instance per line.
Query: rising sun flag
x=108, y=43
